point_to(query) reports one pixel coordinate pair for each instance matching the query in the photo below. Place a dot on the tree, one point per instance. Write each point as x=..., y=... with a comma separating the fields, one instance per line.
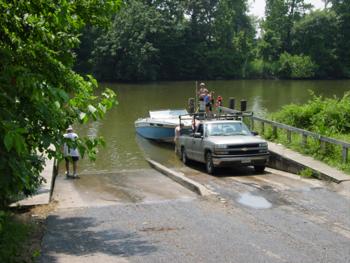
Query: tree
x=277, y=26
x=316, y=36
x=128, y=50
x=40, y=93
x=342, y=9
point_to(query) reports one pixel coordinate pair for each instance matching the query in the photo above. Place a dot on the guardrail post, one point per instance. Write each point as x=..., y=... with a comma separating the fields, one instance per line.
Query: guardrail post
x=262, y=128
x=289, y=136
x=252, y=124
x=274, y=132
x=304, y=139
x=345, y=154
x=323, y=147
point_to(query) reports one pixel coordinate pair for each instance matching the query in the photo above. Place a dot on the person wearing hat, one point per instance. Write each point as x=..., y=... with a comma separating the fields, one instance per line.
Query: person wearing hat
x=202, y=93
x=71, y=154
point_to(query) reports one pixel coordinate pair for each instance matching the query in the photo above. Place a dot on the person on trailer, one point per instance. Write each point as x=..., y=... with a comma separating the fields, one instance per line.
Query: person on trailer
x=218, y=104
x=203, y=91
x=209, y=101
x=177, y=136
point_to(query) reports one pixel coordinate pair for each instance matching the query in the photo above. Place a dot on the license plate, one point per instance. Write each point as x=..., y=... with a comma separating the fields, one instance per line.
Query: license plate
x=246, y=161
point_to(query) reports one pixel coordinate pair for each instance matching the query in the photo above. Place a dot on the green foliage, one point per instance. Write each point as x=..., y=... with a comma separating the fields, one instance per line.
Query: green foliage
x=151, y=40
x=40, y=93
x=201, y=39
x=128, y=51
x=316, y=36
x=12, y=236
x=295, y=66
x=256, y=68
x=342, y=9
x=328, y=117
x=307, y=173
x=317, y=41
x=277, y=27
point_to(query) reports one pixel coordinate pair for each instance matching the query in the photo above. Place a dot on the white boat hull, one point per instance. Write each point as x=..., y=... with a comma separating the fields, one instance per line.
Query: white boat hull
x=156, y=131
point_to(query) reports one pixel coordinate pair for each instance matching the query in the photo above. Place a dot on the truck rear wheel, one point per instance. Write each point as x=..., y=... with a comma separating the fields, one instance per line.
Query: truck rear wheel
x=209, y=163
x=259, y=168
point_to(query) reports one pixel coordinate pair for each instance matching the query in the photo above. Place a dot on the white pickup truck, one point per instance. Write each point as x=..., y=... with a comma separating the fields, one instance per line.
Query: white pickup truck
x=219, y=143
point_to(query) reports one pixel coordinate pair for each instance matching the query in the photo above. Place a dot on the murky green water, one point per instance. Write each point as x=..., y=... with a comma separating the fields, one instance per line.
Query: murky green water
x=126, y=151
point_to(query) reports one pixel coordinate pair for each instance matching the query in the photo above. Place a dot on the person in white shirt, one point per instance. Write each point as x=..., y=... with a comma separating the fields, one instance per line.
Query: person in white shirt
x=177, y=136
x=71, y=154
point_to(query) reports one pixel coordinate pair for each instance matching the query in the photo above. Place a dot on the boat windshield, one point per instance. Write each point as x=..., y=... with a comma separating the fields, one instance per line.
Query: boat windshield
x=227, y=129
x=167, y=113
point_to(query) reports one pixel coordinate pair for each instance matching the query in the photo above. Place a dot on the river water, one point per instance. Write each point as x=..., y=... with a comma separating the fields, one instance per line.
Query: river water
x=125, y=150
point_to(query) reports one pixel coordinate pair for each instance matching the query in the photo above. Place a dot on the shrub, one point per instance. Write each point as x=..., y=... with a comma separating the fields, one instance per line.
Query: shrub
x=296, y=66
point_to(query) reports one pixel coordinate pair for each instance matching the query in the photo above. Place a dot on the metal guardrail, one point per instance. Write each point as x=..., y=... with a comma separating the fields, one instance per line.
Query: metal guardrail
x=304, y=133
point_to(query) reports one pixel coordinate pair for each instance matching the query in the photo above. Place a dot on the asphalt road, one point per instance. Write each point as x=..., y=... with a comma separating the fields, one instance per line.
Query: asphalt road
x=272, y=217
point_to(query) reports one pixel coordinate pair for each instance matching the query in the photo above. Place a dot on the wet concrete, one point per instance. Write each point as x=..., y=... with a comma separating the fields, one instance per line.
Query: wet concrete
x=131, y=186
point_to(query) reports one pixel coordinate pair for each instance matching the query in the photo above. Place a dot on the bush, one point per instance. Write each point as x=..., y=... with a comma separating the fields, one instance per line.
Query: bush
x=329, y=117
x=296, y=66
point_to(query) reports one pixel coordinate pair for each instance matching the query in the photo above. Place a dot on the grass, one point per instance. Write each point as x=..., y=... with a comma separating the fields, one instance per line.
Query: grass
x=21, y=232
x=306, y=173
x=12, y=237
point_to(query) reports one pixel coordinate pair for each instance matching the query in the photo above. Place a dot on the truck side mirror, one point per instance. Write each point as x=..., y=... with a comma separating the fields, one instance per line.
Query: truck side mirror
x=255, y=133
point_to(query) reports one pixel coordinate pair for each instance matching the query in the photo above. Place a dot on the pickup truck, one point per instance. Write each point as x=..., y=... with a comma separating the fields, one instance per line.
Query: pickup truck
x=219, y=143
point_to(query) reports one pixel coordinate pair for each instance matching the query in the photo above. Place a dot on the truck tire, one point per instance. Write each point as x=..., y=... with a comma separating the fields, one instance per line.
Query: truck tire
x=184, y=156
x=259, y=168
x=209, y=163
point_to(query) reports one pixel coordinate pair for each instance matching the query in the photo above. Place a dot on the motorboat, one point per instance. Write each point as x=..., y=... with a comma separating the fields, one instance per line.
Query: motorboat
x=160, y=125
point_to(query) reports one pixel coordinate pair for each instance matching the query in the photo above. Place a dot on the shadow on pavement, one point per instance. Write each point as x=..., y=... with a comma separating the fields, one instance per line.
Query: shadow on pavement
x=82, y=236
x=226, y=171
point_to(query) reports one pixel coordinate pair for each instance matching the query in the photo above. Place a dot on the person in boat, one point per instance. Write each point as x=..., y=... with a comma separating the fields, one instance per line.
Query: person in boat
x=177, y=136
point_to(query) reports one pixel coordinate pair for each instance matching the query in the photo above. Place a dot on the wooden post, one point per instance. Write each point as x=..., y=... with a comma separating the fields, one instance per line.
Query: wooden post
x=231, y=103
x=262, y=128
x=345, y=154
x=289, y=136
x=304, y=140
x=251, y=124
x=243, y=105
x=323, y=146
x=274, y=132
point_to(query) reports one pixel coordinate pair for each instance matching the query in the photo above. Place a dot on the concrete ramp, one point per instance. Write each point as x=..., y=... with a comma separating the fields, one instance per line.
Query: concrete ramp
x=117, y=187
